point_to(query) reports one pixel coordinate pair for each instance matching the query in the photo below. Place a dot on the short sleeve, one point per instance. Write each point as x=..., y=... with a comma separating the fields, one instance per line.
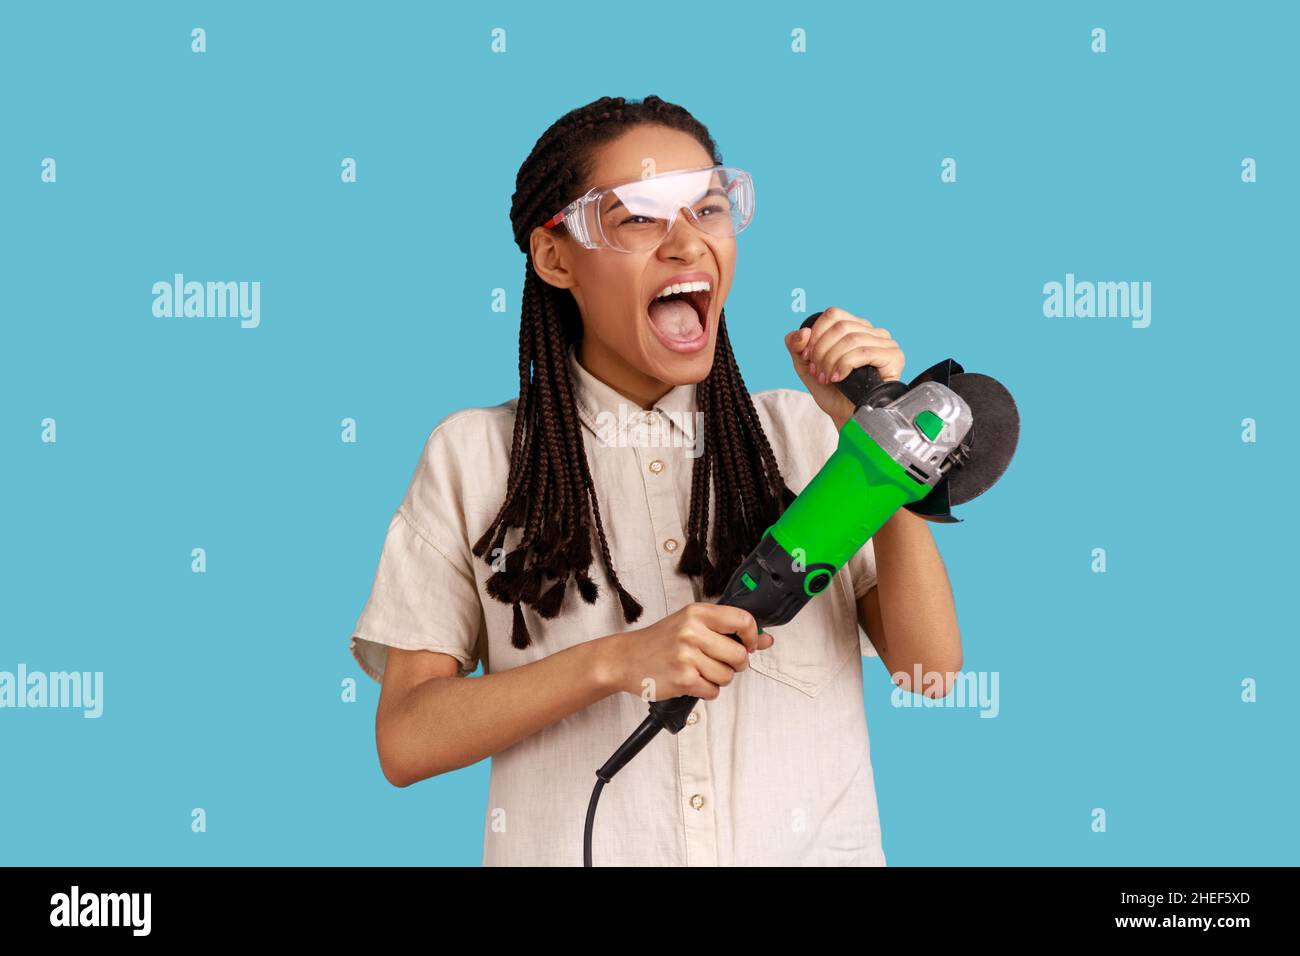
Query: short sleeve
x=420, y=600
x=425, y=595
x=862, y=572
x=862, y=569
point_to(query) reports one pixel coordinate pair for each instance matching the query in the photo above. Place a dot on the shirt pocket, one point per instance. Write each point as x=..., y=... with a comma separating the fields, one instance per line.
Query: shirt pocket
x=811, y=647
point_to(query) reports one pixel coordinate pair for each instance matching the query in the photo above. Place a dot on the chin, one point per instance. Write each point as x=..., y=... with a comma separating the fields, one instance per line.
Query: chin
x=680, y=365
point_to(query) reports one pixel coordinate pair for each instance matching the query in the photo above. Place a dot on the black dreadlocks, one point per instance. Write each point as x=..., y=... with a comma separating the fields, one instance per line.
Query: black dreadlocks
x=549, y=491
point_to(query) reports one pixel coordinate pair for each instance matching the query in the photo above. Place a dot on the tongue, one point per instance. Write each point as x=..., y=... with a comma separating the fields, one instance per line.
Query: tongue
x=676, y=319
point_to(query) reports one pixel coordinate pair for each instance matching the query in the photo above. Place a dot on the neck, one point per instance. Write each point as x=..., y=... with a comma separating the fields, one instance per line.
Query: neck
x=627, y=380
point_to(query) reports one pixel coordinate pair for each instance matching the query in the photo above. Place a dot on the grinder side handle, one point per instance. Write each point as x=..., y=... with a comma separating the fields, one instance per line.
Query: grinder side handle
x=859, y=383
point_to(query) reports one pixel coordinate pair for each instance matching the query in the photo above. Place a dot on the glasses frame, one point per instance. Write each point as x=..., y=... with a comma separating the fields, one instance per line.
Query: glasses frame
x=588, y=230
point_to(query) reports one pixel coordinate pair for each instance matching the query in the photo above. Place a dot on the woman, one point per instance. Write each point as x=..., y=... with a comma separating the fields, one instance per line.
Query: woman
x=631, y=428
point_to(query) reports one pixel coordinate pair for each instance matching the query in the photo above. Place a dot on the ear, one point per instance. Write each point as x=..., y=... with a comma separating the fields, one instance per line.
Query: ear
x=550, y=254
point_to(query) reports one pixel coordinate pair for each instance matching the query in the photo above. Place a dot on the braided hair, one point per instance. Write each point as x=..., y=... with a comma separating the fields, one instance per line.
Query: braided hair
x=549, y=491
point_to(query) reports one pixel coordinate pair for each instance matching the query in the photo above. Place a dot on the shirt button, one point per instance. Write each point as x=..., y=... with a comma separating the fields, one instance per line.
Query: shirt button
x=656, y=466
x=697, y=801
x=670, y=544
x=652, y=417
x=693, y=718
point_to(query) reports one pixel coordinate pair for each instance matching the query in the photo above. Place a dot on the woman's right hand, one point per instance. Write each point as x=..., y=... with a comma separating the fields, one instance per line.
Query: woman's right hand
x=688, y=653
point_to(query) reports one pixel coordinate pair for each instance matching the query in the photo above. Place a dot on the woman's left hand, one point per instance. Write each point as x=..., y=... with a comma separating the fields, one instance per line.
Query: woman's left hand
x=836, y=344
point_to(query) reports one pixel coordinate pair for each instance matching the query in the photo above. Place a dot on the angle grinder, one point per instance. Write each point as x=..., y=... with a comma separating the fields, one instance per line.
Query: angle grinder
x=928, y=445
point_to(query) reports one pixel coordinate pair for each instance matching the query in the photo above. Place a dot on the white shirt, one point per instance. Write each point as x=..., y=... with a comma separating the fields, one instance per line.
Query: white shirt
x=775, y=772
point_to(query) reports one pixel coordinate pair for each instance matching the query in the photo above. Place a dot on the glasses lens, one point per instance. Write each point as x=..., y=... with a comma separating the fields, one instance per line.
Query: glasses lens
x=636, y=216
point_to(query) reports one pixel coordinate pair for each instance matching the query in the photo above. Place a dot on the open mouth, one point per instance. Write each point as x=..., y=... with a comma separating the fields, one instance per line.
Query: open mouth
x=681, y=320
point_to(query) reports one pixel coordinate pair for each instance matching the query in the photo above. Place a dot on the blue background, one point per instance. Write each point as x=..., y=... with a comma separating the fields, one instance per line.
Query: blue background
x=222, y=690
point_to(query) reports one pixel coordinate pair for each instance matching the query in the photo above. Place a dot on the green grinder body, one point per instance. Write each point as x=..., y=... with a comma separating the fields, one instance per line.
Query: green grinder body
x=856, y=491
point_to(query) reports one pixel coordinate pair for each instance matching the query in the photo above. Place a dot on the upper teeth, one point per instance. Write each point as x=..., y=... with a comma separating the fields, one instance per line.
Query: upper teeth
x=701, y=286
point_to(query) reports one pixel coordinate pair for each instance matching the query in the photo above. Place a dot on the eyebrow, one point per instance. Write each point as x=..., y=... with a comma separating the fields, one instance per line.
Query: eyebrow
x=715, y=191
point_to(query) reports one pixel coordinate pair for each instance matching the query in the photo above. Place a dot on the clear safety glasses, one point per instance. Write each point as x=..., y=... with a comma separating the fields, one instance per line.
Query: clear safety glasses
x=637, y=216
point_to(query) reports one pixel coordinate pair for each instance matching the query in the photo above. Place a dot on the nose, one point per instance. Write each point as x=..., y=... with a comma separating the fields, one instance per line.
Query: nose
x=684, y=236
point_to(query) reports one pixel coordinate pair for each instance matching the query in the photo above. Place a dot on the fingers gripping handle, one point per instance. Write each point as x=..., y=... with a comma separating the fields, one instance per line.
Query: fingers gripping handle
x=667, y=715
x=672, y=713
x=859, y=383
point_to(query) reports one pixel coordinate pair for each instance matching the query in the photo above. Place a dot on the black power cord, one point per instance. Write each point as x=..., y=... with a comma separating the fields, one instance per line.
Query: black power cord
x=664, y=714
x=591, y=819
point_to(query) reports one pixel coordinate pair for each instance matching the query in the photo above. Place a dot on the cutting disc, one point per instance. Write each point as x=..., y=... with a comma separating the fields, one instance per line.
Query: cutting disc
x=992, y=438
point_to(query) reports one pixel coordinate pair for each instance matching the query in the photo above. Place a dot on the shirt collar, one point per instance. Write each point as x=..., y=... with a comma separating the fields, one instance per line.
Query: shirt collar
x=601, y=407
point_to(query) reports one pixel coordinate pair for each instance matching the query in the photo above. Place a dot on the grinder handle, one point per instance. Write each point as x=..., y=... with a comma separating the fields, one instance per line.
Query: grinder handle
x=672, y=712
x=857, y=384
